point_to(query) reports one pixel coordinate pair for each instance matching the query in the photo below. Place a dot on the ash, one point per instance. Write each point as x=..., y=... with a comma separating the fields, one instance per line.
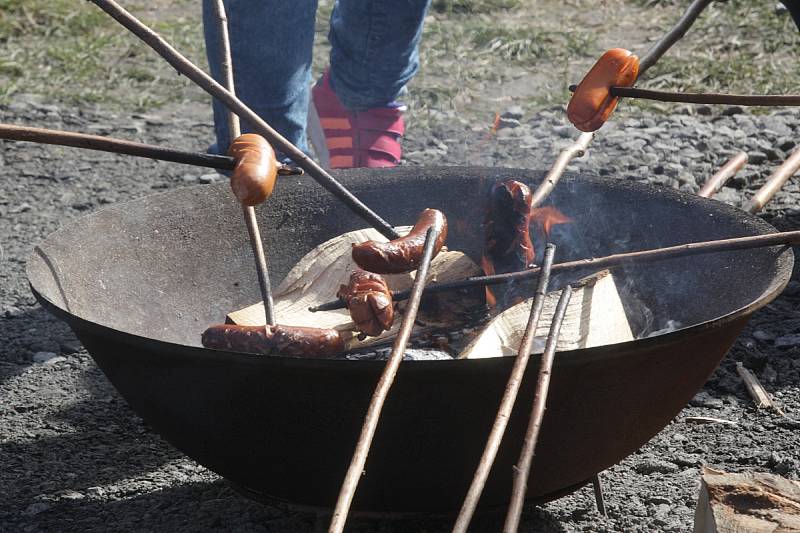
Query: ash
x=75, y=457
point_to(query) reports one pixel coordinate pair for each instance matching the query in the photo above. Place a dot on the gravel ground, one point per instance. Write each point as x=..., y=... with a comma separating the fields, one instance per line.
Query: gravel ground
x=74, y=457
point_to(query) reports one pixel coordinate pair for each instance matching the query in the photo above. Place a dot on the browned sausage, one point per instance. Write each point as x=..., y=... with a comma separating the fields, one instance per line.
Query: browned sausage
x=369, y=300
x=592, y=102
x=278, y=339
x=256, y=168
x=405, y=253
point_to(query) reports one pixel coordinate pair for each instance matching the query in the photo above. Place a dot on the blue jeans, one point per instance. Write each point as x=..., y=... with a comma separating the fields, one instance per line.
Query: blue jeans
x=374, y=53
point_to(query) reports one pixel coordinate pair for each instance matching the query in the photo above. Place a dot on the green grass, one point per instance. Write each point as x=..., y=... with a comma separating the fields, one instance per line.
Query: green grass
x=477, y=55
x=72, y=52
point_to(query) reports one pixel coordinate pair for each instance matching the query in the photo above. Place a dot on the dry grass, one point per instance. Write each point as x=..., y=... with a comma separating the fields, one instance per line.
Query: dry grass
x=477, y=55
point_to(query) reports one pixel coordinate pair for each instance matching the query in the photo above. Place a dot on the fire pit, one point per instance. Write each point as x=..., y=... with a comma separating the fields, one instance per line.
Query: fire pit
x=138, y=282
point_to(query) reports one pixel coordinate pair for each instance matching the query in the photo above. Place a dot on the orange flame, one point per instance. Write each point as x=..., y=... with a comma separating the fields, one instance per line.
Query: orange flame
x=547, y=217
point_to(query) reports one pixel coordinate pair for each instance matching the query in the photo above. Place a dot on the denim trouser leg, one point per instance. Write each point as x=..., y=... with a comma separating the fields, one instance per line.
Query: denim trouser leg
x=271, y=43
x=374, y=49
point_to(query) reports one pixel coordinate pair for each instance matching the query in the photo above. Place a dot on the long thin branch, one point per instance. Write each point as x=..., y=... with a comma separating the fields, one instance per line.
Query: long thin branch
x=508, y=399
x=356, y=469
x=523, y=467
x=674, y=35
x=577, y=149
x=207, y=83
x=234, y=130
x=609, y=261
x=708, y=98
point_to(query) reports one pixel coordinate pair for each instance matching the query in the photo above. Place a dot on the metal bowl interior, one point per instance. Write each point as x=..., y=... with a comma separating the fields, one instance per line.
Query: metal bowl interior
x=139, y=281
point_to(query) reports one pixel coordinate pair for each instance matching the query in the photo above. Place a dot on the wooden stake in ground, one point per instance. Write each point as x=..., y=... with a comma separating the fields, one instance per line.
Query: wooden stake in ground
x=774, y=183
x=234, y=129
x=523, y=468
x=721, y=177
x=356, y=469
x=757, y=391
x=509, y=397
x=209, y=85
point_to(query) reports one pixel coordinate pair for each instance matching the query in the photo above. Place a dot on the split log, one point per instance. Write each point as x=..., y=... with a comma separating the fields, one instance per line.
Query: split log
x=752, y=502
x=595, y=317
x=317, y=277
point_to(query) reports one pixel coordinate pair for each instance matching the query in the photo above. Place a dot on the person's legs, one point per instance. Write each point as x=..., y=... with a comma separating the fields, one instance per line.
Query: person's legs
x=374, y=49
x=271, y=42
x=355, y=120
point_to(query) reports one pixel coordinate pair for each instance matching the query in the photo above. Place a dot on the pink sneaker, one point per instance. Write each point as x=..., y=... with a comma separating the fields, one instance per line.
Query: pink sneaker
x=347, y=139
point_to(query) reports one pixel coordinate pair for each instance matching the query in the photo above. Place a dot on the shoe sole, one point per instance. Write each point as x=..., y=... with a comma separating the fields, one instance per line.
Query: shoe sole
x=317, y=136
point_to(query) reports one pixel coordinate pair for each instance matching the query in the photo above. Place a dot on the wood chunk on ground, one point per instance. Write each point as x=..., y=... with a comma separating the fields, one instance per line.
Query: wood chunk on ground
x=595, y=317
x=752, y=502
x=316, y=278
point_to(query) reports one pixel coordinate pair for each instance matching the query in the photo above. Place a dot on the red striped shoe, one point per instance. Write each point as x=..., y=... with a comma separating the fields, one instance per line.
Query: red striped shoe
x=349, y=139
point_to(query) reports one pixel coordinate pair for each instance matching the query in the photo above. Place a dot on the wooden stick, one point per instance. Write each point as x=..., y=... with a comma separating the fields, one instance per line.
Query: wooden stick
x=708, y=98
x=673, y=36
x=508, y=399
x=774, y=183
x=757, y=391
x=207, y=83
x=12, y=132
x=356, y=469
x=523, y=467
x=234, y=129
x=574, y=150
x=713, y=185
x=610, y=261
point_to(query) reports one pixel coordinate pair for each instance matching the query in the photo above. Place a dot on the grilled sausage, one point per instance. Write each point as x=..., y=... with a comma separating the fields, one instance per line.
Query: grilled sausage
x=369, y=300
x=278, y=339
x=403, y=254
x=253, y=177
x=592, y=102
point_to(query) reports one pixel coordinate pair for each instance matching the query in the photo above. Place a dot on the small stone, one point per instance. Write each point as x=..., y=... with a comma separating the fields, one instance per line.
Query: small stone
x=188, y=178
x=36, y=508
x=762, y=335
x=757, y=157
x=514, y=112
x=95, y=492
x=70, y=346
x=733, y=110
x=508, y=123
x=208, y=178
x=47, y=358
x=787, y=341
x=703, y=399
x=71, y=495
x=12, y=311
x=704, y=110
x=655, y=466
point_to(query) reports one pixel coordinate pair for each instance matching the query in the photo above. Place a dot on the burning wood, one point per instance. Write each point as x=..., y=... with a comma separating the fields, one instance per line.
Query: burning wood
x=595, y=317
x=321, y=272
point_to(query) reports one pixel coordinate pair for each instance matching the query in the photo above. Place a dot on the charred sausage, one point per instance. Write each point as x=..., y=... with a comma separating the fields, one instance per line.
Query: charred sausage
x=403, y=254
x=369, y=300
x=592, y=102
x=253, y=177
x=278, y=339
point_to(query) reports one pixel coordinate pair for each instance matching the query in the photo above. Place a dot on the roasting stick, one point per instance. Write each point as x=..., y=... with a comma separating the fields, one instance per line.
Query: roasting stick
x=208, y=84
x=610, y=261
x=577, y=149
x=674, y=35
x=774, y=183
x=773, y=100
x=356, y=469
x=721, y=177
x=234, y=129
x=12, y=132
x=523, y=466
x=509, y=397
